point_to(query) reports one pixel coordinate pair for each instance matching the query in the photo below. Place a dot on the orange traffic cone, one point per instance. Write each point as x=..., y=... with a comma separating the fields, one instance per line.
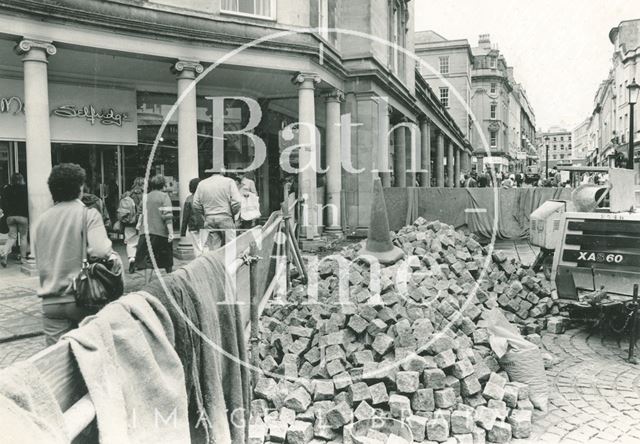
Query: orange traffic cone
x=379, y=239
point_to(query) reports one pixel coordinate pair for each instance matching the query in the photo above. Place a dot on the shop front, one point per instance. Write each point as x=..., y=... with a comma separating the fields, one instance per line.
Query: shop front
x=92, y=126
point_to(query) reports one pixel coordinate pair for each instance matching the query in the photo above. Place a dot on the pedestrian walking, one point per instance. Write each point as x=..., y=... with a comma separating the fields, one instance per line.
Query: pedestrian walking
x=155, y=243
x=58, y=244
x=250, y=203
x=217, y=200
x=15, y=205
x=192, y=222
x=509, y=182
x=92, y=201
x=128, y=213
x=469, y=182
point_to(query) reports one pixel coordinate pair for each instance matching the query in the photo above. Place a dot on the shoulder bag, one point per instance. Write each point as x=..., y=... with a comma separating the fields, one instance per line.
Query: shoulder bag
x=96, y=285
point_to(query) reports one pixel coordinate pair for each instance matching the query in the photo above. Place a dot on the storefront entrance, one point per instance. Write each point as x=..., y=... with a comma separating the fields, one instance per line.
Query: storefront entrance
x=12, y=160
x=102, y=165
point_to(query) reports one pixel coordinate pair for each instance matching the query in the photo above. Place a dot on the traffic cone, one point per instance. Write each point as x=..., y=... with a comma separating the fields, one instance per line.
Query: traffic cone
x=379, y=239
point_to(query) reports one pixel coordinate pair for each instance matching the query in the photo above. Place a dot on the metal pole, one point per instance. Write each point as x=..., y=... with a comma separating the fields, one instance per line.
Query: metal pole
x=546, y=160
x=631, y=141
x=632, y=336
x=254, y=307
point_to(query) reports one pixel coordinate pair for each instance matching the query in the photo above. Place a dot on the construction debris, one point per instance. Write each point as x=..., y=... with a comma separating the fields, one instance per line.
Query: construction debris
x=406, y=348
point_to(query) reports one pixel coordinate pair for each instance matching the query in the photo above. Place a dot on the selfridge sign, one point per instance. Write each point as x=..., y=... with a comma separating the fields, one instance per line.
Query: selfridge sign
x=79, y=114
x=89, y=113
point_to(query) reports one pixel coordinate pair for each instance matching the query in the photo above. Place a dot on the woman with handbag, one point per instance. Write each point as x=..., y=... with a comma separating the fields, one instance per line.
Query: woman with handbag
x=66, y=236
x=156, y=229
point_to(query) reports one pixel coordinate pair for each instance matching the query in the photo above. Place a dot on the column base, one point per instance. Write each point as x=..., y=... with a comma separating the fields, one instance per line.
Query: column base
x=184, y=252
x=29, y=268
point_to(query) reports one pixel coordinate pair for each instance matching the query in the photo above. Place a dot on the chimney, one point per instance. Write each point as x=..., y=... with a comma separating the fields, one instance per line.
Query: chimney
x=484, y=41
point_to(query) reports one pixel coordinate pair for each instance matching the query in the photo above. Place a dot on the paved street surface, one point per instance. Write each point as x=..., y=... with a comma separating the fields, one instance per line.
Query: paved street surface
x=594, y=393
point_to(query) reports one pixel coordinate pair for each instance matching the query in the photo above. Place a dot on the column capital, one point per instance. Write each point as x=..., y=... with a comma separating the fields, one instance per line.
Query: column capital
x=334, y=96
x=305, y=80
x=424, y=120
x=25, y=46
x=187, y=68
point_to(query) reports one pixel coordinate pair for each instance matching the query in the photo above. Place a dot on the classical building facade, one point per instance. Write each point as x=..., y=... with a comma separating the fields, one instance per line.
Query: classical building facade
x=608, y=133
x=475, y=82
x=174, y=86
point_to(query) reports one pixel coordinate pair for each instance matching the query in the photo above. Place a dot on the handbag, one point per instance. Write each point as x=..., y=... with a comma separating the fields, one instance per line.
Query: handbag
x=96, y=285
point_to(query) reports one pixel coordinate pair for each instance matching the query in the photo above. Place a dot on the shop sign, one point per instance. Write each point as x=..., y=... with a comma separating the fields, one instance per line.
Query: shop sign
x=12, y=105
x=105, y=117
x=79, y=114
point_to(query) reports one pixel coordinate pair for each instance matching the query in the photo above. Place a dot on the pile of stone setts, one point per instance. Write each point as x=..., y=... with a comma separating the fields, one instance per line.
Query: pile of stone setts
x=420, y=358
x=524, y=296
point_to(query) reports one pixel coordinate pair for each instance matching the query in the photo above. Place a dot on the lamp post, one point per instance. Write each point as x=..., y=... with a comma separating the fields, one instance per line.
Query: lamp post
x=634, y=91
x=546, y=157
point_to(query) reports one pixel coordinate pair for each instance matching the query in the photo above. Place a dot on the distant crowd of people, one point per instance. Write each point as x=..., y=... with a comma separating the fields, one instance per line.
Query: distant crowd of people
x=504, y=179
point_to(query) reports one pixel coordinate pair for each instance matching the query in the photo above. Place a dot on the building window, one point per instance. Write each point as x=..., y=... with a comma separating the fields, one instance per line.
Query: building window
x=494, y=111
x=444, y=65
x=494, y=88
x=493, y=139
x=561, y=147
x=444, y=97
x=492, y=62
x=254, y=8
x=561, y=156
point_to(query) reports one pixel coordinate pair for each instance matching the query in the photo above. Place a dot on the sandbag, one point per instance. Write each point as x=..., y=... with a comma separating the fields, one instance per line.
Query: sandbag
x=521, y=359
x=527, y=366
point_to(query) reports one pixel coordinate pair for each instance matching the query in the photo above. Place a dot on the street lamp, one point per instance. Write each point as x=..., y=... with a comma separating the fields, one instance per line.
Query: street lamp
x=634, y=91
x=546, y=156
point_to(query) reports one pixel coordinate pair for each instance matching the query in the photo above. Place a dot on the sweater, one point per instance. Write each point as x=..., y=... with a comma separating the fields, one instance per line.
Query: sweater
x=58, y=247
x=157, y=213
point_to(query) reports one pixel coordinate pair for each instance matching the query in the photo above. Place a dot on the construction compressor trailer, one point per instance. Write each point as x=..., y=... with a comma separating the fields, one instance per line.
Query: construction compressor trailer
x=590, y=248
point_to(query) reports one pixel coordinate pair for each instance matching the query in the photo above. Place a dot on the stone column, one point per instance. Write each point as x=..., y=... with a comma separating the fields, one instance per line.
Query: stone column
x=456, y=171
x=400, y=156
x=186, y=72
x=333, y=200
x=307, y=186
x=440, y=160
x=38, y=135
x=425, y=154
x=450, y=166
x=412, y=151
x=383, y=150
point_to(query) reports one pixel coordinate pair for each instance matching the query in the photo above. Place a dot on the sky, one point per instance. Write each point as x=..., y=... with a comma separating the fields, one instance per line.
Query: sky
x=559, y=49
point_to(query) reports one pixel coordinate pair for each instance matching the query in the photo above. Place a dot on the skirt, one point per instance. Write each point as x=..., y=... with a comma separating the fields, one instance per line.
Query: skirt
x=162, y=252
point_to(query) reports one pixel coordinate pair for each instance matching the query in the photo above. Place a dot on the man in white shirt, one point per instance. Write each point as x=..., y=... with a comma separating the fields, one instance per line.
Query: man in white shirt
x=217, y=200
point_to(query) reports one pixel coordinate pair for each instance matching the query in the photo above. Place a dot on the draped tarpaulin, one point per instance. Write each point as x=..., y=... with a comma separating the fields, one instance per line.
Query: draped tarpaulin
x=473, y=207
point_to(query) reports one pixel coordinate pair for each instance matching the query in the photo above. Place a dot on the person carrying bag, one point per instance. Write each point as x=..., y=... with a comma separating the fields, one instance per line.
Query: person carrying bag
x=99, y=281
x=65, y=236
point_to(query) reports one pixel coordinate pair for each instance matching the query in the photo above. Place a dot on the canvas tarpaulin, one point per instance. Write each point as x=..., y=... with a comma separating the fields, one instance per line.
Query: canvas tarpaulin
x=473, y=207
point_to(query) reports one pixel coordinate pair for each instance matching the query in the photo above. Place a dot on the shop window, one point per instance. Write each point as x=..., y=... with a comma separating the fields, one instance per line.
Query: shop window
x=444, y=65
x=444, y=97
x=254, y=8
x=493, y=136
